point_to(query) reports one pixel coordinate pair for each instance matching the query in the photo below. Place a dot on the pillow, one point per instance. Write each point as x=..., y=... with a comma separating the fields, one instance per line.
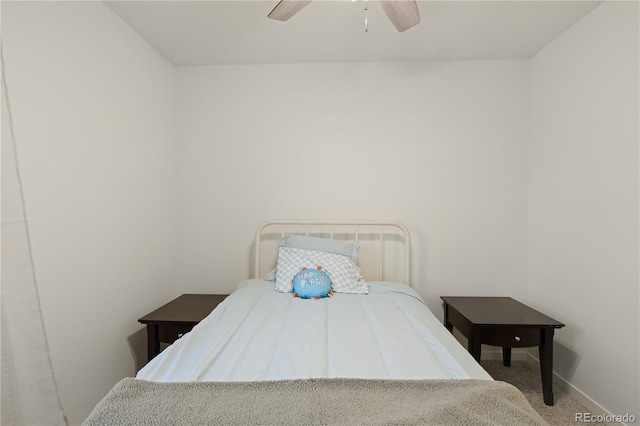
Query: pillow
x=307, y=242
x=344, y=274
x=270, y=276
x=344, y=248
x=312, y=284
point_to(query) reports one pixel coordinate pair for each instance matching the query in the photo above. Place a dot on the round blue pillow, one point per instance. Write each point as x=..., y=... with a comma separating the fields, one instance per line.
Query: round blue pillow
x=312, y=284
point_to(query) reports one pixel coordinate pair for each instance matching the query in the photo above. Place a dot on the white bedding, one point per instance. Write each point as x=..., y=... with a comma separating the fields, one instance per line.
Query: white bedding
x=260, y=334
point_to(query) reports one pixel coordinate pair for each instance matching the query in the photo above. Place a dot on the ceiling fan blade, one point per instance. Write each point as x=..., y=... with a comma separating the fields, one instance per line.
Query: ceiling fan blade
x=403, y=14
x=285, y=9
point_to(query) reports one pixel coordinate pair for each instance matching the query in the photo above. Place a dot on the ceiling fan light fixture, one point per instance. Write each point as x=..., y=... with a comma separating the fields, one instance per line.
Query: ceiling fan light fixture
x=403, y=14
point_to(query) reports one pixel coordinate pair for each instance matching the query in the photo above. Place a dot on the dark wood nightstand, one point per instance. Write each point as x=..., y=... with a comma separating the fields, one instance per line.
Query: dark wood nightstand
x=169, y=322
x=505, y=322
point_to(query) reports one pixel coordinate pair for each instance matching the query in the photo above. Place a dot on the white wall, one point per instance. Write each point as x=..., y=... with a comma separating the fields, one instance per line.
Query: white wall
x=440, y=146
x=93, y=111
x=583, y=221
x=111, y=158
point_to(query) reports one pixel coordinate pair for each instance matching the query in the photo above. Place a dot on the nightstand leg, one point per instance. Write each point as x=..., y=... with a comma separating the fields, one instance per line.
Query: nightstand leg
x=447, y=324
x=475, y=343
x=506, y=357
x=153, y=342
x=546, y=363
x=449, y=327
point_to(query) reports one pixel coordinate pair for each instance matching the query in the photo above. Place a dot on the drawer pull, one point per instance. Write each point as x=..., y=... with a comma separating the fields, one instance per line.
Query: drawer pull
x=517, y=338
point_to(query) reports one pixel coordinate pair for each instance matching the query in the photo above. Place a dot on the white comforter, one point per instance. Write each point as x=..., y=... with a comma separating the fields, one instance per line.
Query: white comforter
x=260, y=334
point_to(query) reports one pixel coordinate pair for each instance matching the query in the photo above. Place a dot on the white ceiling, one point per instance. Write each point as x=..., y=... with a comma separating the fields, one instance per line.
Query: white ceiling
x=239, y=32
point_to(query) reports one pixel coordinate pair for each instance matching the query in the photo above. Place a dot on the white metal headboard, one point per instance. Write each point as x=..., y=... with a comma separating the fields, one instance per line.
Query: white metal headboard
x=385, y=246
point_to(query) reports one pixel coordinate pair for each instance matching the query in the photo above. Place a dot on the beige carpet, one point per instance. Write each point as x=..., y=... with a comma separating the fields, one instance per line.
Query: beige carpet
x=526, y=377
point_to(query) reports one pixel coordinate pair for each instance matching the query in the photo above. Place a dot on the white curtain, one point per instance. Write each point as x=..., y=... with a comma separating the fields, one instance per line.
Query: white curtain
x=29, y=392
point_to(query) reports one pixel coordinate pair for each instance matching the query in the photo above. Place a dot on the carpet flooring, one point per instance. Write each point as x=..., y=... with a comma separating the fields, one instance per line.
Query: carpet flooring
x=526, y=377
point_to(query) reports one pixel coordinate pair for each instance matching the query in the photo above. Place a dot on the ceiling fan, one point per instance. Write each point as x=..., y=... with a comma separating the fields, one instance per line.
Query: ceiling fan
x=403, y=14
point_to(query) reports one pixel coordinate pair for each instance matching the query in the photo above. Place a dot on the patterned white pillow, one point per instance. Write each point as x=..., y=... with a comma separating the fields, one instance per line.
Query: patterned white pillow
x=344, y=273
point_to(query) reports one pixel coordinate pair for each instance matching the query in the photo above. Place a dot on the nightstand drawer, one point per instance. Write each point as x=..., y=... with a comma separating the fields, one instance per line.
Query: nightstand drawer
x=169, y=333
x=511, y=337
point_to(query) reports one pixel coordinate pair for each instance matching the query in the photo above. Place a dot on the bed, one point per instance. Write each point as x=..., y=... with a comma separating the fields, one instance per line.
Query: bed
x=368, y=351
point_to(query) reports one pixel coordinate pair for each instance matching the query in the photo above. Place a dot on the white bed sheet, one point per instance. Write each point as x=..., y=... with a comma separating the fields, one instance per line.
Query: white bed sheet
x=260, y=334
